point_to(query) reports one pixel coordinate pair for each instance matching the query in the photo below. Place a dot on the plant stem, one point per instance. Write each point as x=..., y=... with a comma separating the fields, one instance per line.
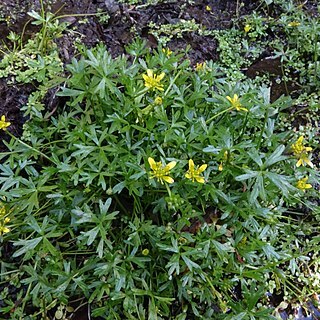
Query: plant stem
x=172, y=82
x=31, y=148
x=218, y=114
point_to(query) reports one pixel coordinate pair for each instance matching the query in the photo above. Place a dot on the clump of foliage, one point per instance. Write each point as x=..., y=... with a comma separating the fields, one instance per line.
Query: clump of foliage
x=160, y=191
x=155, y=193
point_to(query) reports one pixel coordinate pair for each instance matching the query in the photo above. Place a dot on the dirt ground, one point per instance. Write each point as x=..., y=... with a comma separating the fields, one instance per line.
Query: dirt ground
x=124, y=24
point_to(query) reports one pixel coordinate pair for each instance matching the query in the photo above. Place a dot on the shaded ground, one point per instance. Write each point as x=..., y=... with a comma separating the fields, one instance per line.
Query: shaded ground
x=124, y=24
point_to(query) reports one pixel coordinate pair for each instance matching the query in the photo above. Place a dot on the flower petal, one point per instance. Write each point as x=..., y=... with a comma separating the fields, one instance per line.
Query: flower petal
x=168, y=179
x=299, y=163
x=188, y=175
x=308, y=162
x=199, y=179
x=191, y=165
x=202, y=168
x=152, y=163
x=170, y=165
x=160, y=76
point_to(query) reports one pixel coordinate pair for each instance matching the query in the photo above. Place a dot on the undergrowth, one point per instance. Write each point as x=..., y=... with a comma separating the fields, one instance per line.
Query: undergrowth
x=160, y=190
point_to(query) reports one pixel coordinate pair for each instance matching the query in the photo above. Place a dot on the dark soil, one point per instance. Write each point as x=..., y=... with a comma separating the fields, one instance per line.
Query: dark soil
x=126, y=22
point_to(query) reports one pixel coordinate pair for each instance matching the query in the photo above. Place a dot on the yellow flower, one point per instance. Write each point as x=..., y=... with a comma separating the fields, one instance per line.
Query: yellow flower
x=160, y=172
x=294, y=24
x=247, y=28
x=167, y=51
x=194, y=173
x=152, y=81
x=158, y=101
x=235, y=102
x=208, y=8
x=301, y=152
x=145, y=252
x=225, y=158
x=298, y=147
x=3, y=123
x=303, y=185
x=2, y=211
x=3, y=228
x=200, y=66
x=303, y=160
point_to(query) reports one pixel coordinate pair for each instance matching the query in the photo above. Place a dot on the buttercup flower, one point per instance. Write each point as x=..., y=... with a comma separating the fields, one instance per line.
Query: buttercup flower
x=247, y=28
x=294, y=24
x=3, y=228
x=298, y=147
x=194, y=173
x=158, y=101
x=2, y=211
x=3, y=123
x=303, y=160
x=235, y=102
x=208, y=8
x=225, y=158
x=152, y=81
x=160, y=172
x=301, y=152
x=200, y=66
x=303, y=185
x=167, y=51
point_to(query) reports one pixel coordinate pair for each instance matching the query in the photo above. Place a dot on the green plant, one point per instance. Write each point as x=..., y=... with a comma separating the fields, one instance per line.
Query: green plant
x=151, y=195
x=161, y=190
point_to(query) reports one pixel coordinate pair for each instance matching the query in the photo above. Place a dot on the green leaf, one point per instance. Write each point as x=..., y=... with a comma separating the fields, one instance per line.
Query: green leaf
x=91, y=235
x=281, y=182
x=190, y=264
x=250, y=174
x=104, y=207
x=27, y=245
x=119, y=187
x=275, y=156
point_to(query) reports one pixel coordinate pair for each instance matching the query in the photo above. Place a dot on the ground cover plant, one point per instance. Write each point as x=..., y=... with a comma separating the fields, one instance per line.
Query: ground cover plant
x=159, y=188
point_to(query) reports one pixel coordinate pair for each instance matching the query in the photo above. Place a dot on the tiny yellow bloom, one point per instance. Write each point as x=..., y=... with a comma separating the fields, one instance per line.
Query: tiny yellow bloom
x=167, y=51
x=303, y=160
x=247, y=28
x=3, y=228
x=225, y=158
x=160, y=172
x=152, y=81
x=235, y=102
x=294, y=24
x=2, y=211
x=194, y=173
x=298, y=147
x=200, y=66
x=303, y=185
x=3, y=123
x=145, y=252
x=208, y=8
x=301, y=152
x=158, y=101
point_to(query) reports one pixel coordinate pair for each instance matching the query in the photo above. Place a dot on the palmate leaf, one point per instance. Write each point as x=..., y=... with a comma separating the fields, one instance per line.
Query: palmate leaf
x=276, y=156
x=281, y=181
x=26, y=245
